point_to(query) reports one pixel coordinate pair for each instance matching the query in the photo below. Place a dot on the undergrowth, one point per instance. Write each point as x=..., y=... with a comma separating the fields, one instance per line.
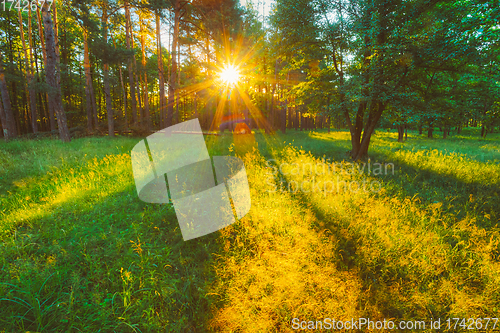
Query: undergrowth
x=80, y=252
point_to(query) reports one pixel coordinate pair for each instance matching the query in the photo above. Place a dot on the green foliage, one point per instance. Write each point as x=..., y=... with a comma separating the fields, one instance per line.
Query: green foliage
x=403, y=60
x=81, y=252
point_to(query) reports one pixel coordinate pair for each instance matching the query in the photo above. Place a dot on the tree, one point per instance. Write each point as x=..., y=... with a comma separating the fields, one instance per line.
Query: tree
x=107, y=91
x=161, y=76
x=82, y=15
x=128, y=28
x=8, y=122
x=52, y=120
x=172, y=82
x=142, y=19
x=29, y=69
x=377, y=47
x=52, y=74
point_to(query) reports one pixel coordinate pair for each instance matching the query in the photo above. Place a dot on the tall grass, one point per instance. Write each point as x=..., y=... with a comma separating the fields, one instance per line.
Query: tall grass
x=80, y=252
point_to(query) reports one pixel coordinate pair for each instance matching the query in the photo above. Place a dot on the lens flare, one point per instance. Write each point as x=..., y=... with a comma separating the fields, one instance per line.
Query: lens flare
x=230, y=75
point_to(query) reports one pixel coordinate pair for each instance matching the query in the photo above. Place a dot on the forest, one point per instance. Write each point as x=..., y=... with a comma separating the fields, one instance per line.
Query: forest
x=369, y=131
x=133, y=66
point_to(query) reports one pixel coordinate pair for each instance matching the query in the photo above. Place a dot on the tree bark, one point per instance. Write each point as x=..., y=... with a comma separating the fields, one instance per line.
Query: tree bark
x=50, y=111
x=173, y=76
x=52, y=73
x=107, y=91
x=88, y=82
x=400, y=133
x=124, y=94
x=209, y=109
x=137, y=80
x=195, y=102
x=161, y=79
x=34, y=111
x=145, y=79
x=297, y=118
x=290, y=113
x=283, y=117
x=29, y=70
x=56, y=28
x=177, y=117
x=3, y=121
x=373, y=118
x=133, y=102
x=94, y=106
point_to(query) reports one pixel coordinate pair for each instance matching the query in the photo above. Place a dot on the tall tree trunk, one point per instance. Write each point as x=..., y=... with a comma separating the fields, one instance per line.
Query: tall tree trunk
x=128, y=28
x=10, y=122
x=195, y=106
x=88, y=81
x=400, y=133
x=173, y=76
x=107, y=91
x=147, y=115
x=29, y=70
x=44, y=116
x=124, y=91
x=178, y=84
x=50, y=109
x=284, y=108
x=290, y=109
x=297, y=118
x=52, y=72
x=56, y=28
x=209, y=109
x=161, y=77
x=137, y=79
x=34, y=111
x=94, y=105
x=3, y=121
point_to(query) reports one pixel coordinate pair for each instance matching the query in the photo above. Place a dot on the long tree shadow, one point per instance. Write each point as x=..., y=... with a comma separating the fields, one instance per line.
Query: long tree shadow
x=410, y=181
x=380, y=286
x=114, y=264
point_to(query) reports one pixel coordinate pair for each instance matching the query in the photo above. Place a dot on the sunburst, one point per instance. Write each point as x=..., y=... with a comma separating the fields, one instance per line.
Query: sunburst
x=230, y=75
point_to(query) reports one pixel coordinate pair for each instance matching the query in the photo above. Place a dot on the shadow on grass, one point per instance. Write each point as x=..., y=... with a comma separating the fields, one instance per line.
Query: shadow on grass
x=382, y=295
x=428, y=185
x=118, y=264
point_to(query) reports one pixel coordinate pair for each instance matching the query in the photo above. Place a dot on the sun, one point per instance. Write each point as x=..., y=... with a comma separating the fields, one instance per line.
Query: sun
x=230, y=75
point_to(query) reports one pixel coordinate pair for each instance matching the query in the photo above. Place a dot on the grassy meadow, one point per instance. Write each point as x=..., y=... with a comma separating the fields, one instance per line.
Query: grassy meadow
x=81, y=253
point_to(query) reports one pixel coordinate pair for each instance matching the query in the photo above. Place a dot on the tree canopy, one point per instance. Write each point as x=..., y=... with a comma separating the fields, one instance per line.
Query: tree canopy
x=133, y=66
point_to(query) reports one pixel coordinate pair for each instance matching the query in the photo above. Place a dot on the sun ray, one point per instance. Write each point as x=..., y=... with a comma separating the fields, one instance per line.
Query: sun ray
x=230, y=75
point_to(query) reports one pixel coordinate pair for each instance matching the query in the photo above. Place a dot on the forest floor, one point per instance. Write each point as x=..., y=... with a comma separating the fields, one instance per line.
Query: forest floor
x=410, y=234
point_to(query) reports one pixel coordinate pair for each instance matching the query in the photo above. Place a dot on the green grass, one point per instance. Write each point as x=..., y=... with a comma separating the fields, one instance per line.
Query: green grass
x=80, y=252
